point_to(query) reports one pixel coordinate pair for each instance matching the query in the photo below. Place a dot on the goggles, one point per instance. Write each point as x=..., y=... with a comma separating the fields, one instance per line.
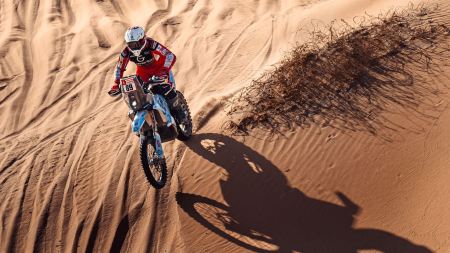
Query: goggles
x=136, y=45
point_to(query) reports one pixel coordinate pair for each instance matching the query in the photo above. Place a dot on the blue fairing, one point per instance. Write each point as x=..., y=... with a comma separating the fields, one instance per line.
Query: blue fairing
x=138, y=121
x=160, y=104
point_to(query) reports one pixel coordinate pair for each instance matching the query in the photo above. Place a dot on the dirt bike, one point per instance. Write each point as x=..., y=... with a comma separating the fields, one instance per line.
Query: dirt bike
x=154, y=124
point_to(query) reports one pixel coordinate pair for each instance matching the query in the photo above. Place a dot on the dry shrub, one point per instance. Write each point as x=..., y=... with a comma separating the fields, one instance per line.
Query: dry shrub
x=346, y=74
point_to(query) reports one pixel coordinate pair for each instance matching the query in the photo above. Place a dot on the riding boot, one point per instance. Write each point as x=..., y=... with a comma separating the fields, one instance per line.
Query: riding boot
x=176, y=109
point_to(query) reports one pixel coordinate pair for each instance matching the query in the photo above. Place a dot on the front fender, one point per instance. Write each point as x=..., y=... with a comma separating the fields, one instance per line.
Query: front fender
x=138, y=121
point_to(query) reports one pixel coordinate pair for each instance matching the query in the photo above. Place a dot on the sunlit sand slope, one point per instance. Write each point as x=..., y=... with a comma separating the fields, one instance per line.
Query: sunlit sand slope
x=70, y=178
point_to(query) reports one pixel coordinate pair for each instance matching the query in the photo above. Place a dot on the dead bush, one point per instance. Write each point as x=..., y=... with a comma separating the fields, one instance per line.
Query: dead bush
x=346, y=74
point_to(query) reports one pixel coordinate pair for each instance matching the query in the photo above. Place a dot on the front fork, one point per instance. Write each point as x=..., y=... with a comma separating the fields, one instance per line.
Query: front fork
x=137, y=126
x=158, y=145
x=151, y=120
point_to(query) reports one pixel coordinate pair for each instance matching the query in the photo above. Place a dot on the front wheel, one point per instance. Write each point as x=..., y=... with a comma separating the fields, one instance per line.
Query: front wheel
x=184, y=125
x=155, y=169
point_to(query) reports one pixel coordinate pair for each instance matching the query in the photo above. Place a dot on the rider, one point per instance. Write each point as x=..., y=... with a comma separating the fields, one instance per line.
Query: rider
x=152, y=59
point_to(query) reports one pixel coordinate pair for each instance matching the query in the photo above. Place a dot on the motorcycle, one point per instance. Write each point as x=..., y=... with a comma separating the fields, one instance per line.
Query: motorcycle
x=154, y=124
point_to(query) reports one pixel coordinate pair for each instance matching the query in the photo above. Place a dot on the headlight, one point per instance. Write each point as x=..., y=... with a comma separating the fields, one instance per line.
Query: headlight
x=134, y=103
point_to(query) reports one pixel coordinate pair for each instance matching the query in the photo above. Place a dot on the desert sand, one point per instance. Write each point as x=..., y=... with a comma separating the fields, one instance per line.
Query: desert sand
x=70, y=176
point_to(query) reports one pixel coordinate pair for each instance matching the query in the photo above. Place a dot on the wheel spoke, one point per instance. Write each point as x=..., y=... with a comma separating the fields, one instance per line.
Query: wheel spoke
x=154, y=168
x=154, y=163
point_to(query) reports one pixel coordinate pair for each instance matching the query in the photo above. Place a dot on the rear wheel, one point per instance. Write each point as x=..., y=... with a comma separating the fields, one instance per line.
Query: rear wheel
x=184, y=124
x=155, y=169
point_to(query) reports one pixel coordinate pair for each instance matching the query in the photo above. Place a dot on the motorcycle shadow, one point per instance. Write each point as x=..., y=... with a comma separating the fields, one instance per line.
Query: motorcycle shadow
x=264, y=214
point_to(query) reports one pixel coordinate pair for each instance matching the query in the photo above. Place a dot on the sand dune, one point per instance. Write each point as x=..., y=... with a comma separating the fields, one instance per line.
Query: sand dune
x=70, y=177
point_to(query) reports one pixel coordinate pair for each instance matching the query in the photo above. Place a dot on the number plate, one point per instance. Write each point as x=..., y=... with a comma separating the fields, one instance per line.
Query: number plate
x=128, y=85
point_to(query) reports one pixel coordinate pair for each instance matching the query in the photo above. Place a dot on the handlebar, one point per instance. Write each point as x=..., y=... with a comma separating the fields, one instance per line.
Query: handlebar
x=158, y=79
x=155, y=81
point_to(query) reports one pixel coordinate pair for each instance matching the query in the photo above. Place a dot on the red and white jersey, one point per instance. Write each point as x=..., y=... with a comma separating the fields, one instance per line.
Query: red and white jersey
x=155, y=59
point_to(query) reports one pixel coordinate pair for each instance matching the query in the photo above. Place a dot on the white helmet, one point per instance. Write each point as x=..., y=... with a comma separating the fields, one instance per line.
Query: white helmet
x=135, y=39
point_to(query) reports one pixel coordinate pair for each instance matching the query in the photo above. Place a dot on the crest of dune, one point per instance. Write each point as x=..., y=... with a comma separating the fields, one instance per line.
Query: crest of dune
x=349, y=152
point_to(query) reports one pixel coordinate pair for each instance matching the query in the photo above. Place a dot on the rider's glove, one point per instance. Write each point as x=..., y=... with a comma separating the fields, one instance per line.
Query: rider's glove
x=114, y=91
